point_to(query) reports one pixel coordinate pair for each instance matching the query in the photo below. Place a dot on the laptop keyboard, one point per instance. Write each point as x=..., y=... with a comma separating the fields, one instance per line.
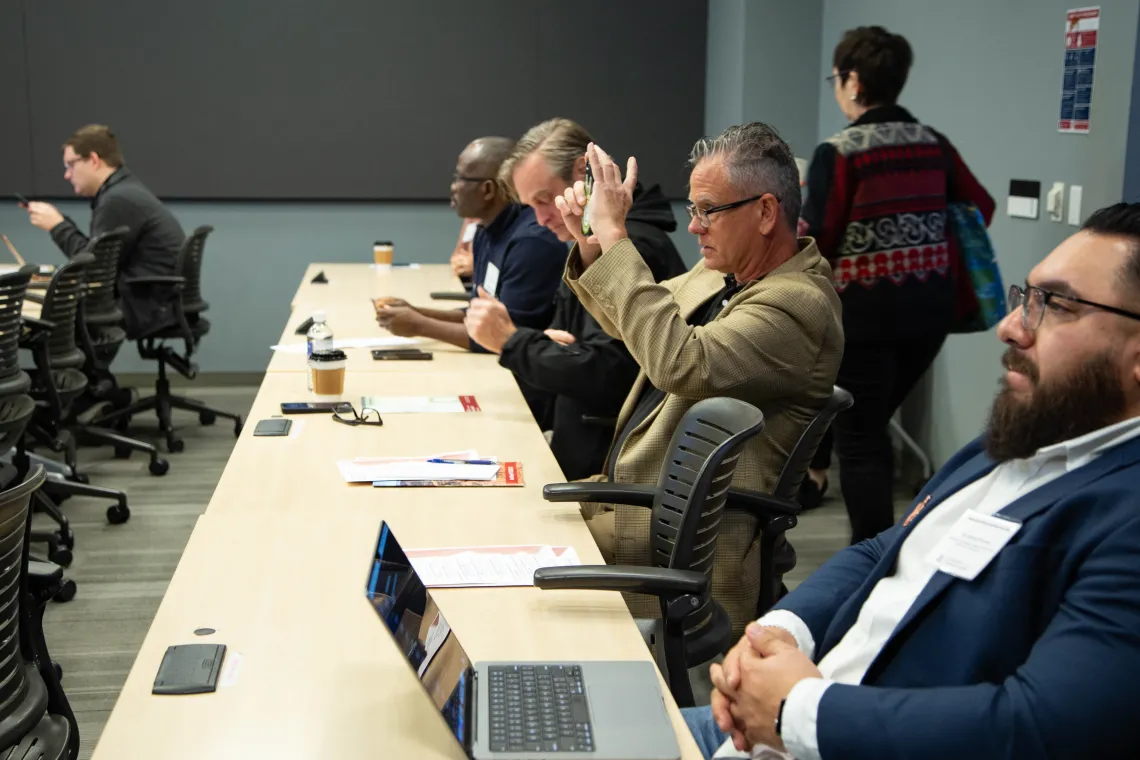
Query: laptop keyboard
x=539, y=708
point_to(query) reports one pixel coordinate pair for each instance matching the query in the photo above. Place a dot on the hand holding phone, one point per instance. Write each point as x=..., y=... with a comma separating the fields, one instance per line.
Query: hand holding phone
x=21, y=200
x=586, y=215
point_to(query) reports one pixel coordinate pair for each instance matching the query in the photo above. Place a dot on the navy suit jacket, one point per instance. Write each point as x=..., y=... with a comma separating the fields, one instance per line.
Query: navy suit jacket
x=1039, y=656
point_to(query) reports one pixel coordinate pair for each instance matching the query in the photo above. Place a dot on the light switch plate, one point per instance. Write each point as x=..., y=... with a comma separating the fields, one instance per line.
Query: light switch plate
x=1075, y=192
x=1055, y=202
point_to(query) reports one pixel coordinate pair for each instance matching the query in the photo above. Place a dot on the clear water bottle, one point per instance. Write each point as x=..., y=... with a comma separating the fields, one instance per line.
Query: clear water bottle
x=319, y=338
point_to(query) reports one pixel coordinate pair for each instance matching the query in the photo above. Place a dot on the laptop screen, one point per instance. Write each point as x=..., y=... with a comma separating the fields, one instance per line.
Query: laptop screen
x=421, y=633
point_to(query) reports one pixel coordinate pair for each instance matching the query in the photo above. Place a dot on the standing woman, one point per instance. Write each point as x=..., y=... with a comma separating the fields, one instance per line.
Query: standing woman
x=876, y=204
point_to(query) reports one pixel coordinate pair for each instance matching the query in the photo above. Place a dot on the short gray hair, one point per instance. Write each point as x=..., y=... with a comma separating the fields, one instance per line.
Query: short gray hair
x=757, y=161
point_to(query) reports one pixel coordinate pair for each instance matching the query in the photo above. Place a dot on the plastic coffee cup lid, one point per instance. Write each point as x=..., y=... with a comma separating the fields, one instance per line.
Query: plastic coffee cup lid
x=336, y=355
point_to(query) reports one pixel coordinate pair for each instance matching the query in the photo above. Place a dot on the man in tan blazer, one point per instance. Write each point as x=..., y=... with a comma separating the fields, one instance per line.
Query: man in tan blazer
x=757, y=319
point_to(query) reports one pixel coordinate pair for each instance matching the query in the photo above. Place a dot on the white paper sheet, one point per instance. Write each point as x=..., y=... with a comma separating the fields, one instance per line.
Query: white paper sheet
x=382, y=342
x=413, y=404
x=462, y=567
x=354, y=472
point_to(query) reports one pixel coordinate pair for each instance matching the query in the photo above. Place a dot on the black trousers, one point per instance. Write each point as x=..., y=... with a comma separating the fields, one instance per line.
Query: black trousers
x=879, y=375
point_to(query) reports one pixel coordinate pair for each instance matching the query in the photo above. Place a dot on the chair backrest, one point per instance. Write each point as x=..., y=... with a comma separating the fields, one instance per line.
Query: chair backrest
x=788, y=484
x=61, y=307
x=694, y=482
x=100, y=303
x=13, y=570
x=13, y=288
x=190, y=267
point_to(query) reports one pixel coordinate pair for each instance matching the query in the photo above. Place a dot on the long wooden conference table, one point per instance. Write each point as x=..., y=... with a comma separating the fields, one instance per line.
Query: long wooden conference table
x=276, y=566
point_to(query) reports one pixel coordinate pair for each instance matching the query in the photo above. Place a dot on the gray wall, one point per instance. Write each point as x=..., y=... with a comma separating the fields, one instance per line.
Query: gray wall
x=763, y=65
x=258, y=252
x=988, y=75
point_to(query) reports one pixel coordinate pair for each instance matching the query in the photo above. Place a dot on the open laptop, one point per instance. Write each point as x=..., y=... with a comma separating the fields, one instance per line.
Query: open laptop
x=519, y=710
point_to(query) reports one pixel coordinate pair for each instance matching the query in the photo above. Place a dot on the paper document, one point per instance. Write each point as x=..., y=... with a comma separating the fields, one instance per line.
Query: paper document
x=466, y=566
x=509, y=474
x=420, y=404
x=382, y=342
x=353, y=472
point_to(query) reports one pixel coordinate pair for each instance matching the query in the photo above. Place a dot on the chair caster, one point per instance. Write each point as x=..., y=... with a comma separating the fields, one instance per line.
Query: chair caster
x=122, y=399
x=65, y=594
x=237, y=428
x=207, y=418
x=159, y=467
x=117, y=514
x=55, y=665
x=67, y=537
x=174, y=445
x=63, y=558
x=123, y=452
x=122, y=425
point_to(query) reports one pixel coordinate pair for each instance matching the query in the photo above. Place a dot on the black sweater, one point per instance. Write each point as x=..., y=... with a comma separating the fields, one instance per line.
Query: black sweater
x=592, y=376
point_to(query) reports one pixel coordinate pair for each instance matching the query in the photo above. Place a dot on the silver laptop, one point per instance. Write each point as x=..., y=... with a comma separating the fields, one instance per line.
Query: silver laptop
x=519, y=710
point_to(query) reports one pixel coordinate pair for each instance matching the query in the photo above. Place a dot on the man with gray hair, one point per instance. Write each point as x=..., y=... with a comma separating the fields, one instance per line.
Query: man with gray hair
x=757, y=319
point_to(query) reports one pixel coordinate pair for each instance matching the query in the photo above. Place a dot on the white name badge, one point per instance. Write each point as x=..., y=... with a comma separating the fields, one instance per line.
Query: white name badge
x=971, y=544
x=469, y=232
x=491, y=280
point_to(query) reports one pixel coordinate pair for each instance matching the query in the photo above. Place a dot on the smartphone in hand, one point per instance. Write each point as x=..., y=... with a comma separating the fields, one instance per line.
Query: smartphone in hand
x=20, y=200
x=586, y=215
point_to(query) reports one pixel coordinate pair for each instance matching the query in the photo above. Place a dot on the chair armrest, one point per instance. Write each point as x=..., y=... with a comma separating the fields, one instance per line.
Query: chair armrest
x=440, y=295
x=656, y=581
x=158, y=279
x=38, y=326
x=629, y=494
x=761, y=505
x=34, y=298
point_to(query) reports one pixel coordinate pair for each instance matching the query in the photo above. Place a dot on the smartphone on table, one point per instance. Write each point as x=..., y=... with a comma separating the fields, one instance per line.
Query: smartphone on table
x=308, y=407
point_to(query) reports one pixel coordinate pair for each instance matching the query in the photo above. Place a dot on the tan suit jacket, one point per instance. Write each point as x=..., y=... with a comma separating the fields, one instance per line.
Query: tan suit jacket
x=777, y=345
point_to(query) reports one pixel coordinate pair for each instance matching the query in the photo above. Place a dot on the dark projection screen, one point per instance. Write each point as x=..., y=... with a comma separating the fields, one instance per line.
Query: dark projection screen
x=341, y=99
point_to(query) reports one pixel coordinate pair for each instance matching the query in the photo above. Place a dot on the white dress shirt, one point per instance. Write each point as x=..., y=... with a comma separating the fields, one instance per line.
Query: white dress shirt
x=893, y=596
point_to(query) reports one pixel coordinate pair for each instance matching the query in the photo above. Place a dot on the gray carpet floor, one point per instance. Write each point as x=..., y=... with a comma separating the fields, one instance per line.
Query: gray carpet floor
x=122, y=571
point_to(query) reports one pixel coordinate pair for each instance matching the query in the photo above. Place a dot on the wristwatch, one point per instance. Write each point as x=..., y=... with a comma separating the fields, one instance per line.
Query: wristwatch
x=780, y=718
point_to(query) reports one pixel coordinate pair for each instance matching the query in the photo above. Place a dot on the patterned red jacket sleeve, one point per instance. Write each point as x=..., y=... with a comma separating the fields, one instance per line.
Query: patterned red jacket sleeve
x=824, y=213
x=964, y=186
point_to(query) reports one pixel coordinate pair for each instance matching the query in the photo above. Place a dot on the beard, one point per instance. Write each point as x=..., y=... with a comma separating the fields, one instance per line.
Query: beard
x=1088, y=399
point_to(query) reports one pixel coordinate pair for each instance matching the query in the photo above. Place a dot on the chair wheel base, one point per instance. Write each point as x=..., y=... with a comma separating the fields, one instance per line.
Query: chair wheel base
x=237, y=428
x=80, y=478
x=207, y=418
x=123, y=452
x=65, y=594
x=63, y=558
x=117, y=514
x=159, y=467
x=175, y=445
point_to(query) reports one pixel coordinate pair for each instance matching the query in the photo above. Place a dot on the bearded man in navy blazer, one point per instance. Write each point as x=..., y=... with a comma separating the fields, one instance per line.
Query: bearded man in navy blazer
x=1001, y=617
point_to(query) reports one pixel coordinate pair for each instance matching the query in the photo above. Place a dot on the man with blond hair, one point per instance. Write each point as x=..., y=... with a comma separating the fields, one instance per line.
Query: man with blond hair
x=574, y=376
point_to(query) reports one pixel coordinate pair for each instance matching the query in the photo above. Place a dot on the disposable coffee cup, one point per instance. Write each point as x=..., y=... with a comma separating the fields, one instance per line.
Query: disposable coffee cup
x=328, y=372
x=382, y=252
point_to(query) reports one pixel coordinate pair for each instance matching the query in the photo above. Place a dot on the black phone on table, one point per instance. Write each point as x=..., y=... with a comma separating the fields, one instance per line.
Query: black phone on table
x=308, y=407
x=400, y=354
x=274, y=426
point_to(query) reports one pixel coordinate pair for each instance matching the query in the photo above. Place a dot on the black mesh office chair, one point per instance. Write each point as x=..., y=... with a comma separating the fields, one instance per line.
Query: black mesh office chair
x=56, y=383
x=688, y=504
x=778, y=511
x=36, y=721
x=99, y=334
x=190, y=327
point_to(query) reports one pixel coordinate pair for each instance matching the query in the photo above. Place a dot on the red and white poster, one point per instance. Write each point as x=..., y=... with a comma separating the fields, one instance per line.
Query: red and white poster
x=1082, y=26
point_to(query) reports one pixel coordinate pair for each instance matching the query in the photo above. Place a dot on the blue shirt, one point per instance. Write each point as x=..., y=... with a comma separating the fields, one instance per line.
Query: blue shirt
x=530, y=261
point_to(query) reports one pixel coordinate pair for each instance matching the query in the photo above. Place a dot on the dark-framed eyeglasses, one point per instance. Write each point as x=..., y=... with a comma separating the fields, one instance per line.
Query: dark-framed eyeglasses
x=457, y=177
x=830, y=78
x=69, y=165
x=702, y=214
x=346, y=413
x=1034, y=301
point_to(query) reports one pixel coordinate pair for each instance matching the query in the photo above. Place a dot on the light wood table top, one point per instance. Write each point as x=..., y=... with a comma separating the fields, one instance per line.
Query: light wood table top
x=347, y=300
x=277, y=566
